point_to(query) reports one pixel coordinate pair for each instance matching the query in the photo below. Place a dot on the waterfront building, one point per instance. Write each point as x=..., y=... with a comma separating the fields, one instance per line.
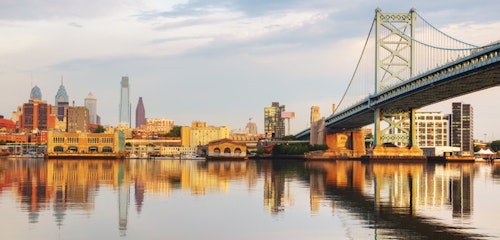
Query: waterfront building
x=90, y=103
x=462, y=127
x=62, y=102
x=78, y=119
x=85, y=145
x=226, y=149
x=125, y=106
x=432, y=129
x=140, y=114
x=159, y=125
x=274, y=125
x=199, y=134
x=142, y=148
x=36, y=114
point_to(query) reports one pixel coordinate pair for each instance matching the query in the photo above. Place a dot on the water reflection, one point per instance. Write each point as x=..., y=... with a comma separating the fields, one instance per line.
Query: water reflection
x=387, y=196
x=395, y=200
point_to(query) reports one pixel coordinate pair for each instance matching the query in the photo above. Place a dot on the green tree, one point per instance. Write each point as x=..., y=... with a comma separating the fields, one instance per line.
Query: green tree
x=288, y=138
x=175, y=132
x=99, y=129
x=495, y=146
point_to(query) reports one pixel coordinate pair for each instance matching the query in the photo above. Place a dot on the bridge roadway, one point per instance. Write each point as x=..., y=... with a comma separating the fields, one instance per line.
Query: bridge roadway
x=475, y=72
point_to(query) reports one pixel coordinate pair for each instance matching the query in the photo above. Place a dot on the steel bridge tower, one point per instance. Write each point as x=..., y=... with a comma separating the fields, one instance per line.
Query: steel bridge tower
x=394, y=63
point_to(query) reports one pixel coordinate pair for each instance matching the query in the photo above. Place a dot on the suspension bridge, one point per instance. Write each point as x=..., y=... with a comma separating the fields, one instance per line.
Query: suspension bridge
x=406, y=64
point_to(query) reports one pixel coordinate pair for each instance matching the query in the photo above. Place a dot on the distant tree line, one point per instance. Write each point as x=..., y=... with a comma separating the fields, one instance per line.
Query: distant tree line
x=175, y=132
x=296, y=149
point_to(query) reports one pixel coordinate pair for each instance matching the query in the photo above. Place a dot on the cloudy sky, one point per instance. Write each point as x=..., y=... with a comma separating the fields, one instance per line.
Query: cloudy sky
x=219, y=61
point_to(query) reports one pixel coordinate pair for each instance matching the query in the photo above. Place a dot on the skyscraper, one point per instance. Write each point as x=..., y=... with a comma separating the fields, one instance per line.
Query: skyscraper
x=274, y=125
x=140, y=114
x=36, y=114
x=462, y=131
x=91, y=104
x=62, y=102
x=125, y=106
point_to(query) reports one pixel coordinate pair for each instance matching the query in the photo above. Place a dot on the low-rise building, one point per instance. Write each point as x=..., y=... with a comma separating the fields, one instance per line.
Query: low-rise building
x=85, y=145
x=226, y=149
x=200, y=134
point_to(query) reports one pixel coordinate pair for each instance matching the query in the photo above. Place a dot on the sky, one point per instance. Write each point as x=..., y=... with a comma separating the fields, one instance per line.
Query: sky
x=218, y=61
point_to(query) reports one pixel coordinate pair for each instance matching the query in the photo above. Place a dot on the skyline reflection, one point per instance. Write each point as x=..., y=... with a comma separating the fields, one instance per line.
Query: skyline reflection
x=386, y=197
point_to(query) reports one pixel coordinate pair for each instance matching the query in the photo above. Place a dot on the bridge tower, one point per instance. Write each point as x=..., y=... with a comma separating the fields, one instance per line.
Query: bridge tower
x=394, y=63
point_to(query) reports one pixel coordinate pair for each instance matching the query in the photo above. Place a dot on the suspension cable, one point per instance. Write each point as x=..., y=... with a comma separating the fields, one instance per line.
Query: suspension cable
x=357, y=65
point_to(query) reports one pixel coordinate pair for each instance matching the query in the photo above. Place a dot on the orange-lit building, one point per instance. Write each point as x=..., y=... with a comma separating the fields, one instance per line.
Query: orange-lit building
x=7, y=125
x=37, y=114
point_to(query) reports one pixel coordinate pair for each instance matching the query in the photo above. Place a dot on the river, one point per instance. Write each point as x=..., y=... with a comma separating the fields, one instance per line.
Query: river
x=255, y=199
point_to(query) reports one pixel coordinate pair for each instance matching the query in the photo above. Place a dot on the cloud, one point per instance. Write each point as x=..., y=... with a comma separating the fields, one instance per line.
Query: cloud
x=27, y=10
x=73, y=24
x=199, y=8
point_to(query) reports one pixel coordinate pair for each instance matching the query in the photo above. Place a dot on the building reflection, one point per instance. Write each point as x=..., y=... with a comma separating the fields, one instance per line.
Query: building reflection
x=399, y=188
x=62, y=185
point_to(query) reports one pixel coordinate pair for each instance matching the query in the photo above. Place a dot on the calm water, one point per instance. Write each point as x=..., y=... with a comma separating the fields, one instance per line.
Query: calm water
x=185, y=199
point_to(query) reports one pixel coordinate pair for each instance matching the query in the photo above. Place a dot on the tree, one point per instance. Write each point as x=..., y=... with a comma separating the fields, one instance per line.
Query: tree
x=175, y=132
x=288, y=138
x=495, y=145
x=99, y=129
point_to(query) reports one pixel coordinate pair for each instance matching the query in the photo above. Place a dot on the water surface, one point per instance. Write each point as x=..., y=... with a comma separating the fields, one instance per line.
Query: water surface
x=261, y=199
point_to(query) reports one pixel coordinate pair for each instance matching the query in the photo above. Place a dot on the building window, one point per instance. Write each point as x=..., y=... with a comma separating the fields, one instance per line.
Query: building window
x=107, y=149
x=58, y=149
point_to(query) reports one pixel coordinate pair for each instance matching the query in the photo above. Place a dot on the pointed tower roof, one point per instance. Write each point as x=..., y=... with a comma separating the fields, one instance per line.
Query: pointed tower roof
x=62, y=95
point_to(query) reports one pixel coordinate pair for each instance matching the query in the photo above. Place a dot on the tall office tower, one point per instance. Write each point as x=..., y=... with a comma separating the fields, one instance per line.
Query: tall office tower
x=274, y=125
x=36, y=93
x=36, y=114
x=140, y=114
x=91, y=104
x=78, y=119
x=62, y=102
x=125, y=106
x=462, y=131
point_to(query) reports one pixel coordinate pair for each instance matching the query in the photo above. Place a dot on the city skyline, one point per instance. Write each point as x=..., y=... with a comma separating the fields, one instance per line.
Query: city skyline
x=216, y=62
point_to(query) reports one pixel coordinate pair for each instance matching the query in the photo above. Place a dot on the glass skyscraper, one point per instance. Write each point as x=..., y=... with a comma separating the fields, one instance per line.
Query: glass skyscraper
x=125, y=106
x=91, y=104
x=62, y=102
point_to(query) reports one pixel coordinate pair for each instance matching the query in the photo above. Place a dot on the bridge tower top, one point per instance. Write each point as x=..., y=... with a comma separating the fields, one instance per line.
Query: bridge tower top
x=394, y=52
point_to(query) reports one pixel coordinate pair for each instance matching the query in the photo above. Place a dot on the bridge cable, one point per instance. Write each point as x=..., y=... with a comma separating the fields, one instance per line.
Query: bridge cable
x=437, y=47
x=357, y=66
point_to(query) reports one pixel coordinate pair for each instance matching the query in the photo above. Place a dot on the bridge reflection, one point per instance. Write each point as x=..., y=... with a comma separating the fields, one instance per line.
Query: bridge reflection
x=387, y=197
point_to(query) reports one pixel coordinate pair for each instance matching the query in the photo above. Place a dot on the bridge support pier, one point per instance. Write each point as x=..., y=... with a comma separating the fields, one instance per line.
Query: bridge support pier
x=346, y=143
x=401, y=130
